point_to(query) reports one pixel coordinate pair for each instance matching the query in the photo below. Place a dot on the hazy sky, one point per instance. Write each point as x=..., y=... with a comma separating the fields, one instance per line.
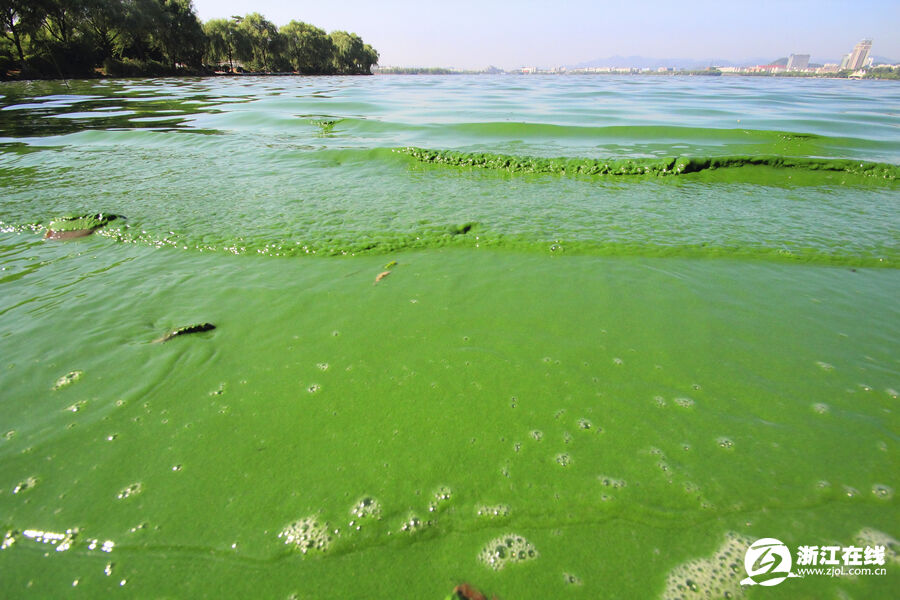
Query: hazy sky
x=515, y=33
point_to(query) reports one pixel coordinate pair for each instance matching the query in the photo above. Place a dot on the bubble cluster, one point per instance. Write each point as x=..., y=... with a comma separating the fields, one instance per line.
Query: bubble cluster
x=820, y=408
x=507, y=549
x=585, y=424
x=715, y=577
x=684, y=402
x=412, y=524
x=312, y=389
x=850, y=492
x=441, y=496
x=882, y=491
x=725, y=442
x=131, y=490
x=496, y=511
x=323, y=366
x=9, y=538
x=563, y=460
x=570, y=579
x=307, y=534
x=62, y=541
x=77, y=406
x=611, y=482
x=366, y=508
x=824, y=366
x=537, y=435
x=872, y=537
x=25, y=484
x=67, y=379
x=106, y=546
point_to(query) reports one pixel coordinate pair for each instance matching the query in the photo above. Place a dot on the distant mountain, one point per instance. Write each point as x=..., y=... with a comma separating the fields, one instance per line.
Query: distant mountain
x=642, y=62
x=883, y=60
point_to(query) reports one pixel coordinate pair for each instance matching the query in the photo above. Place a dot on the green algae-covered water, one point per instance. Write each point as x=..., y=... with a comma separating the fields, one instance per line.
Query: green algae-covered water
x=628, y=326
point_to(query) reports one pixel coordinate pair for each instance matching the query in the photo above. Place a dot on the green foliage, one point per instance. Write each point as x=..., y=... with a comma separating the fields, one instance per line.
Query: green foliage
x=261, y=47
x=884, y=73
x=308, y=48
x=122, y=38
x=351, y=55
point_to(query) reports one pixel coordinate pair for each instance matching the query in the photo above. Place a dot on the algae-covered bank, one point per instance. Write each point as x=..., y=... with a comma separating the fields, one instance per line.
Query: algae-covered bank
x=469, y=371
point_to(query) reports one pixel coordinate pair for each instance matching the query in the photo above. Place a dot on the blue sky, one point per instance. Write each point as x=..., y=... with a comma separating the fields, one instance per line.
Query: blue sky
x=509, y=34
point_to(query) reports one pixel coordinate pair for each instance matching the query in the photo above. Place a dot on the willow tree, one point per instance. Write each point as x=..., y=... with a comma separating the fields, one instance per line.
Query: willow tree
x=17, y=23
x=351, y=55
x=105, y=21
x=308, y=48
x=179, y=34
x=223, y=38
x=263, y=42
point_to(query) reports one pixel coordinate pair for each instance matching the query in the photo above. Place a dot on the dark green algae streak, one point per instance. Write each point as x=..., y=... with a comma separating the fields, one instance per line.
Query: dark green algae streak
x=651, y=167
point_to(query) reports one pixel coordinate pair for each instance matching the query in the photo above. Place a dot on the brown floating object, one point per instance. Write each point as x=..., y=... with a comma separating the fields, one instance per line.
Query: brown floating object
x=467, y=592
x=65, y=235
x=186, y=330
x=381, y=276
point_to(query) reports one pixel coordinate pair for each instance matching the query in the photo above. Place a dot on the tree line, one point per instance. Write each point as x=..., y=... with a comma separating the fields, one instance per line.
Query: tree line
x=81, y=38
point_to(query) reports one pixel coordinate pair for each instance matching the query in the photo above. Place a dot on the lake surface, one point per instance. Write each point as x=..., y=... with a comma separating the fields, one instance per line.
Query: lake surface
x=630, y=325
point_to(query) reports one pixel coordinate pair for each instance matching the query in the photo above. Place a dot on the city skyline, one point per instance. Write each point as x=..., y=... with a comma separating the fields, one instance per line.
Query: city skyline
x=469, y=34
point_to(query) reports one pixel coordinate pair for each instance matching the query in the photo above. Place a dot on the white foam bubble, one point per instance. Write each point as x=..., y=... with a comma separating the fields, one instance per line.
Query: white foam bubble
x=441, y=496
x=507, y=549
x=717, y=576
x=25, y=484
x=495, y=511
x=307, y=534
x=131, y=490
x=611, y=482
x=883, y=492
x=67, y=379
x=367, y=508
x=873, y=537
x=62, y=541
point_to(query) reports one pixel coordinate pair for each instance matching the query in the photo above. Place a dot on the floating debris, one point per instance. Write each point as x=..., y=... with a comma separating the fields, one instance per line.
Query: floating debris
x=199, y=328
x=464, y=591
x=381, y=276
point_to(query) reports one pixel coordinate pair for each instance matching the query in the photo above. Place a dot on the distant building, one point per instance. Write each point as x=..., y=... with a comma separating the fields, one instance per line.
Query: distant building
x=857, y=59
x=798, y=62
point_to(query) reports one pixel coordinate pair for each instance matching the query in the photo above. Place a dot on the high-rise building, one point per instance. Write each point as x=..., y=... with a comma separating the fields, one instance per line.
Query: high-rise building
x=798, y=62
x=859, y=55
